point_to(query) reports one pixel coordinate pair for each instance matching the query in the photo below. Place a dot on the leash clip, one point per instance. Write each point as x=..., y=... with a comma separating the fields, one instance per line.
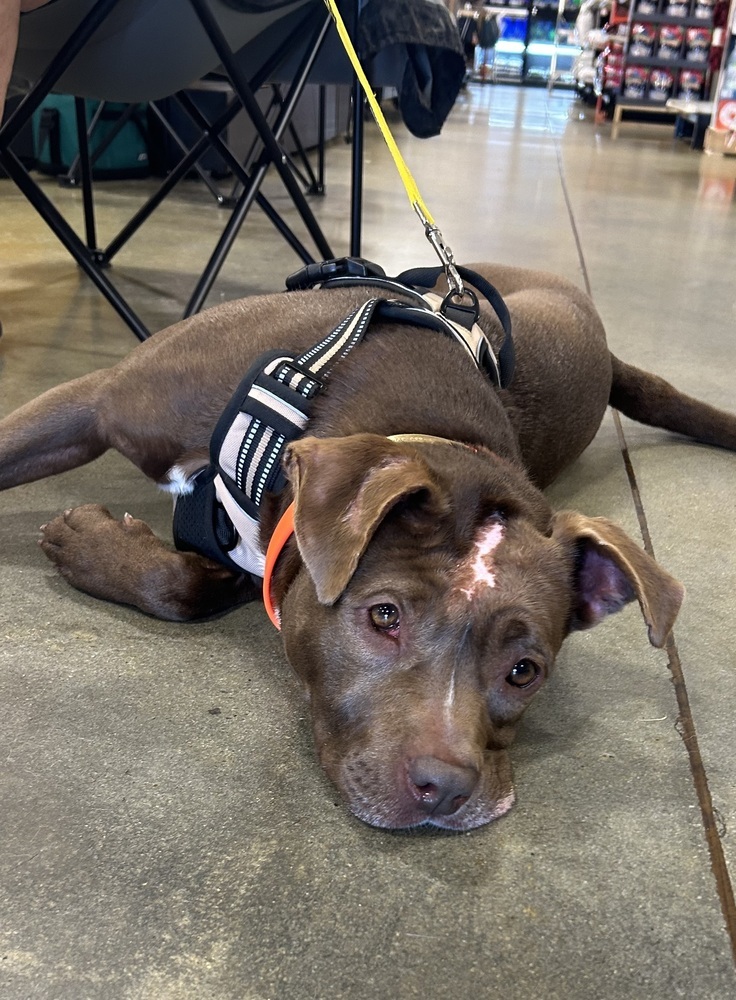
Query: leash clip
x=445, y=254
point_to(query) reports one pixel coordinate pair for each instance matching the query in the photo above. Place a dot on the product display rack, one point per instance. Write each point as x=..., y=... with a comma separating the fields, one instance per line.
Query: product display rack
x=721, y=136
x=549, y=49
x=534, y=46
x=508, y=56
x=610, y=58
x=665, y=54
x=567, y=46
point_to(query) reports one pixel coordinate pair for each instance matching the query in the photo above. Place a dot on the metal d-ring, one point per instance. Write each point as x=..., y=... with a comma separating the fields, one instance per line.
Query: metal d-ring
x=454, y=300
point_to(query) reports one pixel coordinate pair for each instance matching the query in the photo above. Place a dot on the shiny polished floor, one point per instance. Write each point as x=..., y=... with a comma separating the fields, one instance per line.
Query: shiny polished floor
x=165, y=831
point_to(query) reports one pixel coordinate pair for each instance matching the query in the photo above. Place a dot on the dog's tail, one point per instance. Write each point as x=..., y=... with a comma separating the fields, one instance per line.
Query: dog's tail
x=55, y=432
x=650, y=400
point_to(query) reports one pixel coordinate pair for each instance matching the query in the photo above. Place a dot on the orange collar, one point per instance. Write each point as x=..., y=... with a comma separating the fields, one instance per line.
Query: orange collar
x=282, y=534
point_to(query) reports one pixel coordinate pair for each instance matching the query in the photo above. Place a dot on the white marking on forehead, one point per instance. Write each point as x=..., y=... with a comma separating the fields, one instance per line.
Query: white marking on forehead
x=478, y=571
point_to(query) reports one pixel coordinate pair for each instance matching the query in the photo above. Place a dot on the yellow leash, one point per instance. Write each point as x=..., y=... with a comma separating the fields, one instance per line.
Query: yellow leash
x=431, y=229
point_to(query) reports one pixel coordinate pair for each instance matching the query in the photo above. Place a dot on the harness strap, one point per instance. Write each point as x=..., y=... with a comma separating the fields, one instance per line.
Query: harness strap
x=472, y=339
x=374, y=281
x=432, y=312
x=352, y=272
x=427, y=277
x=270, y=407
x=273, y=403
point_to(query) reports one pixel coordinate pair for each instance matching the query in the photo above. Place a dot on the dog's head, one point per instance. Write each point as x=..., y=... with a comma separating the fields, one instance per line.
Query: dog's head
x=434, y=591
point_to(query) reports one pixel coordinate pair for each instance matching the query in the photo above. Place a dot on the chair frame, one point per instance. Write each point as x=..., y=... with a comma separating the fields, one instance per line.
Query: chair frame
x=93, y=260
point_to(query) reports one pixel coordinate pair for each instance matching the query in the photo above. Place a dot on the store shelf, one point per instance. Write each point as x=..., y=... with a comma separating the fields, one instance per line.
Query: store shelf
x=651, y=76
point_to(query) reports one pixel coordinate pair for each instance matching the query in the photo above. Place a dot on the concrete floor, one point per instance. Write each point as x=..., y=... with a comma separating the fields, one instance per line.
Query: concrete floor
x=166, y=832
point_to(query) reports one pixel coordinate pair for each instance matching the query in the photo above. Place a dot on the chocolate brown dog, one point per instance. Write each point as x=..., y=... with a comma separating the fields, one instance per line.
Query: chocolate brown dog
x=429, y=586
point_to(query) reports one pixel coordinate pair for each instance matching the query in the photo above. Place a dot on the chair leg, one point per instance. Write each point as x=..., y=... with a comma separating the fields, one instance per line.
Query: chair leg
x=203, y=175
x=211, y=137
x=76, y=247
x=320, y=189
x=356, y=198
x=272, y=154
x=86, y=257
x=70, y=178
x=58, y=65
x=85, y=170
x=358, y=130
x=269, y=138
x=249, y=187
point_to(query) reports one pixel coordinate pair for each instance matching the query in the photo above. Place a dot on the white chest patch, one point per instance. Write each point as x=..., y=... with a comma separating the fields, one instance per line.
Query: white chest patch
x=478, y=571
x=178, y=482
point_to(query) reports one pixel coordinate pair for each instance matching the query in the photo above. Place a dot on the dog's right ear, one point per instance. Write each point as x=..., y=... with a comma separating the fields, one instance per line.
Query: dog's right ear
x=612, y=570
x=343, y=489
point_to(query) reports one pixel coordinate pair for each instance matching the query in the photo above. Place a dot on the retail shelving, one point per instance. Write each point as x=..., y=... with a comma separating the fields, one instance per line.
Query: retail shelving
x=665, y=54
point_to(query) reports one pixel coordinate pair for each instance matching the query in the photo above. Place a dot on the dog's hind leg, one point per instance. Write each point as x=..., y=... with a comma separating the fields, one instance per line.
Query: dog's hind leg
x=651, y=400
x=55, y=432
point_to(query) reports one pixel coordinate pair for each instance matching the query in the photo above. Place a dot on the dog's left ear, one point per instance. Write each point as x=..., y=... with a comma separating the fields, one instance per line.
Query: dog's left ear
x=611, y=570
x=343, y=489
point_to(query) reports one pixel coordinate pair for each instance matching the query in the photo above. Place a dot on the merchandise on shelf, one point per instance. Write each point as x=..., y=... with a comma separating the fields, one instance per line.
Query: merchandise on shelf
x=697, y=44
x=542, y=30
x=703, y=9
x=643, y=37
x=727, y=90
x=691, y=84
x=612, y=77
x=725, y=116
x=513, y=29
x=661, y=85
x=636, y=79
x=610, y=67
x=670, y=41
x=531, y=40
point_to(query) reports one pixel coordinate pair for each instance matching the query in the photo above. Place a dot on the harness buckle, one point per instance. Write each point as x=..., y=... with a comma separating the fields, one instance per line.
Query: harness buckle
x=340, y=267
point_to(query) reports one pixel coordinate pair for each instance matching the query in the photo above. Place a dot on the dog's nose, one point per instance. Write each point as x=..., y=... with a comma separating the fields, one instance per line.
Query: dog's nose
x=440, y=788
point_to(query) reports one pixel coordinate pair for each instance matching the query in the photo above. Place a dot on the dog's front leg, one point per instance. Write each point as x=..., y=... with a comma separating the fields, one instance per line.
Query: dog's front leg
x=123, y=561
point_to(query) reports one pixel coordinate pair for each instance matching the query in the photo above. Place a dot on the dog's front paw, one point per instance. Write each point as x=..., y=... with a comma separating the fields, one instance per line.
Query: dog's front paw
x=94, y=551
x=123, y=561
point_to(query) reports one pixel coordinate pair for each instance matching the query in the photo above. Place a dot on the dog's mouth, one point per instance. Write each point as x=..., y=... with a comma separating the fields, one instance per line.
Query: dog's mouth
x=388, y=798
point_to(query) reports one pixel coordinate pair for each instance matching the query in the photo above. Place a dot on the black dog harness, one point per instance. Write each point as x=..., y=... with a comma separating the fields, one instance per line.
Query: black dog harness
x=219, y=518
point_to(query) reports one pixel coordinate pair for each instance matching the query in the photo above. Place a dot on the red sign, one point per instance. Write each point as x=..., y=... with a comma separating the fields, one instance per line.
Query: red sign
x=726, y=116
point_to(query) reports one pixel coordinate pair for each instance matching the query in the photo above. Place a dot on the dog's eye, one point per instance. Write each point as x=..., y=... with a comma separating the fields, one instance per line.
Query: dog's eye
x=385, y=617
x=523, y=673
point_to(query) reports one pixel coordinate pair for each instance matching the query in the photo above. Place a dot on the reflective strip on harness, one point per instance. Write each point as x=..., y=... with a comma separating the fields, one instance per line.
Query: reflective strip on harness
x=246, y=551
x=270, y=407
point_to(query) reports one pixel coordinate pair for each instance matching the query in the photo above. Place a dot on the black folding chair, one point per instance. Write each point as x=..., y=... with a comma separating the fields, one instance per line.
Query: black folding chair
x=135, y=51
x=143, y=50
